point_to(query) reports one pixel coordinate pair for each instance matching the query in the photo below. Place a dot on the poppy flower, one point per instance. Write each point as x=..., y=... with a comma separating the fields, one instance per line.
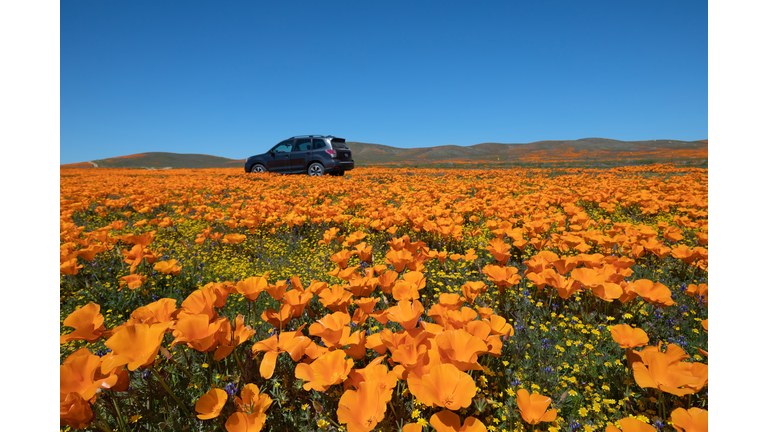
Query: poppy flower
x=168, y=267
x=74, y=411
x=660, y=371
x=233, y=238
x=472, y=290
x=533, y=407
x=329, y=369
x=399, y=259
x=597, y=282
x=412, y=427
x=278, y=319
x=135, y=345
x=336, y=298
x=88, y=323
x=361, y=410
x=228, y=340
x=448, y=387
x=628, y=337
x=133, y=281
x=294, y=343
x=210, y=404
x=251, y=410
x=502, y=277
x=70, y=267
x=199, y=333
x=78, y=374
x=499, y=250
x=653, y=292
x=460, y=348
x=406, y=313
x=297, y=300
x=333, y=329
x=629, y=424
x=341, y=258
x=449, y=421
x=277, y=290
x=253, y=286
x=690, y=420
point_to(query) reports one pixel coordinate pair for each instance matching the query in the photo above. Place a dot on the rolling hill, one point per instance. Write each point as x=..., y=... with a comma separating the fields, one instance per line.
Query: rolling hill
x=587, y=150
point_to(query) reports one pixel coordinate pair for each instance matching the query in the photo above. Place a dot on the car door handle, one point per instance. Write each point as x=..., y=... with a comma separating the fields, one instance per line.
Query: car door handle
x=308, y=152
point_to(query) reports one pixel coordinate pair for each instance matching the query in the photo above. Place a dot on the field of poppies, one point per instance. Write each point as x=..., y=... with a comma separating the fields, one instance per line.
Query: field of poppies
x=389, y=299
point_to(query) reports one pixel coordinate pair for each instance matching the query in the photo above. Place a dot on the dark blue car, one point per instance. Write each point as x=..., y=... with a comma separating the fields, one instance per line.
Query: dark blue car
x=313, y=155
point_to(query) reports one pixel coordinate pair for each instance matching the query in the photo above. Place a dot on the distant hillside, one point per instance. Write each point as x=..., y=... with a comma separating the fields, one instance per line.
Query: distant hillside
x=161, y=160
x=587, y=150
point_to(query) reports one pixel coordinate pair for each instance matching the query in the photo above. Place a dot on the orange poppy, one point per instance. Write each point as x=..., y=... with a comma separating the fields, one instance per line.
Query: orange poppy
x=253, y=286
x=449, y=421
x=278, y=319
x=629, y=424
x=361, y=410
x=653, y=292
x=74, y=411
x=448, y=387
x=329, y=369
x=336, y=298
x=228, y=340
x=690, y=420
x=210, y=404
x=133, y=281
x=88, y=323
x=406, y=313
x=399, y=259
x=79, y=374
x=533, y=407
x=135, y=345
x=460, y=348
x=70, y=267
x=499, y=250
x=294, y=343
x=199, y=333
x=251, y=410
x=660, y=371
x=628, y=337
x=502, y=277
x=168, y=267
x=333, y=329
x=472, y=290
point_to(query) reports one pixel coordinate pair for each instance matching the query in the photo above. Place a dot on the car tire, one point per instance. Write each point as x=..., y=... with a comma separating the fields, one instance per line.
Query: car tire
x=258, y=168
x=316, y=169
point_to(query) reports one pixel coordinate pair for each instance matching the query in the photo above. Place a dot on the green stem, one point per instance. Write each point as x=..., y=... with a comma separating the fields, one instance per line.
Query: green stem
x=239, y=365
x=170, y=392
x=100, y=423
x=120, y=420
x=662, y=407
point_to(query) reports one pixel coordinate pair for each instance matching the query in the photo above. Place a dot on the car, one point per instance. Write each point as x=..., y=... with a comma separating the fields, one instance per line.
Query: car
x=313, y=155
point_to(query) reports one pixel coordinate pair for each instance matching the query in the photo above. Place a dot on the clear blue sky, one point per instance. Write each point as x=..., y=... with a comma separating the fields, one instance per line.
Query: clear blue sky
x=233, y=78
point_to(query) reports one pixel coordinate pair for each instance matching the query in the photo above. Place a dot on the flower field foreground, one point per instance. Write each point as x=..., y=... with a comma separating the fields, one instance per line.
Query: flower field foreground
x=397, y=299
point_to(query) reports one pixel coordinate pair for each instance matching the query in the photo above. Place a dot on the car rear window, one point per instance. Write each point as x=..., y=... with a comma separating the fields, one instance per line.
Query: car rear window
x=339, y=143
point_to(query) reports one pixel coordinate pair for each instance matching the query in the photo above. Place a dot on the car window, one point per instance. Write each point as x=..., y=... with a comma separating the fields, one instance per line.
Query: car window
x=303, y=144
x=339, y=144
x=318, y=143
x=283, y=147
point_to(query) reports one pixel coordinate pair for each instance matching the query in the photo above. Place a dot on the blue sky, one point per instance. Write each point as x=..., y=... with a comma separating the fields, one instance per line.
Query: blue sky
x=233, y=78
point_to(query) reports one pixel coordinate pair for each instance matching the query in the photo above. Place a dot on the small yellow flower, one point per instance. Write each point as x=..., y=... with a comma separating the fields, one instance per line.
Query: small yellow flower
x=204, y=365
x=135, y=418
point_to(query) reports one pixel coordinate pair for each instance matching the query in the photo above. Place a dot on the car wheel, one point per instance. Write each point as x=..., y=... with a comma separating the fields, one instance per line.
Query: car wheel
x=316, y=169
x=258, y=169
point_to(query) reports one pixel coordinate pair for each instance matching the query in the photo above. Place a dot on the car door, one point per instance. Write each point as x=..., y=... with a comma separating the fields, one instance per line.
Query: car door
x=300, y=154
x=278, y=157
